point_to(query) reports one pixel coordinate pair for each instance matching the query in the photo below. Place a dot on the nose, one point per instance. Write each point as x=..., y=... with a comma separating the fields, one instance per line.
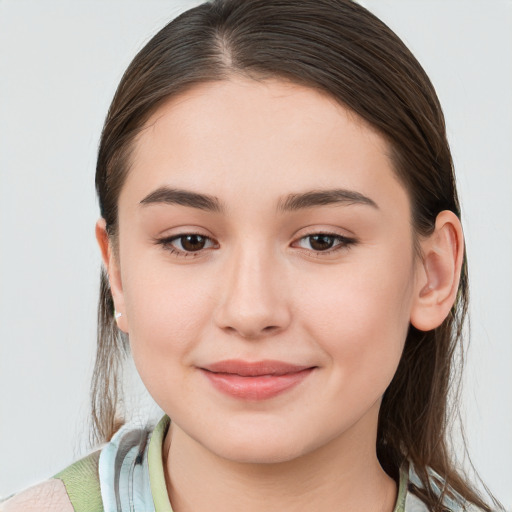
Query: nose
x=253, y=295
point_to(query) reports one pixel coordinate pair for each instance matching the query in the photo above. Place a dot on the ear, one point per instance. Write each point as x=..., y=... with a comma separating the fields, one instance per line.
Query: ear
x=438, y=273
x=111, y=263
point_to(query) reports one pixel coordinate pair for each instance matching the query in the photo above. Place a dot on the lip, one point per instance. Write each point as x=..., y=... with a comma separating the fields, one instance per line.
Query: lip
x=258, y=380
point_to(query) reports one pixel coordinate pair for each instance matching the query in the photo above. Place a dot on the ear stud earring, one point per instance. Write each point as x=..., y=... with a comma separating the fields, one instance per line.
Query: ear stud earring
x=117, y=314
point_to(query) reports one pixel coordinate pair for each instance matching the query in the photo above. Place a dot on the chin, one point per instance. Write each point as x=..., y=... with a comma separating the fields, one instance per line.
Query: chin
x=257, y=447
x=254, y=452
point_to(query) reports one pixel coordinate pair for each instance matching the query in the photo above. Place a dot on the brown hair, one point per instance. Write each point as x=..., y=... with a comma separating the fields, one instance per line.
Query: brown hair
x=338, y=47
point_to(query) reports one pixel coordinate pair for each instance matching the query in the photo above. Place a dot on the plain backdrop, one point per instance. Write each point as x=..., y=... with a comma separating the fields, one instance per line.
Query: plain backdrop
x=60, y=62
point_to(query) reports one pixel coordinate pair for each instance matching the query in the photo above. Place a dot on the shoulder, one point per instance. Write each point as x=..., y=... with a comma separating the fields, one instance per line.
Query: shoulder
x=114, y=477
x=49, y=495
x=451, y=501
x=82, y=483
x=73, y=489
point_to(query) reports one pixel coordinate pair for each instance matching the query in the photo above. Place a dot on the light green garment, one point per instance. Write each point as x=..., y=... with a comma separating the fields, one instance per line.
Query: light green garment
x=127, y=471
x=127, y=475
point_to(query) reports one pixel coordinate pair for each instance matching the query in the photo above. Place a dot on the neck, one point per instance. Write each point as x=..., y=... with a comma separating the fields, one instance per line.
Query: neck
x=343, y=475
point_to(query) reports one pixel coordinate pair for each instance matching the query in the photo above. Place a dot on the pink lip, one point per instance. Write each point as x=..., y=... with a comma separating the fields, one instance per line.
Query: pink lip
x=255, y=381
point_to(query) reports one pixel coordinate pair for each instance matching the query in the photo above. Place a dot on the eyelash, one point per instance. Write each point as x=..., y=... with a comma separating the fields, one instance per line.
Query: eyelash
x=345, y=243
x=166, y=244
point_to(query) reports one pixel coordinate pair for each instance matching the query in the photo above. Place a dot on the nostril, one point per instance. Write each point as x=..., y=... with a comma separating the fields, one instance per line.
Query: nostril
x=254, y=334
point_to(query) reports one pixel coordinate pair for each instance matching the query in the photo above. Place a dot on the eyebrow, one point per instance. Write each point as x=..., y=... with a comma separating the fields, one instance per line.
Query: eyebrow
x=338, y=196
x=166, y=195
x=292, y=202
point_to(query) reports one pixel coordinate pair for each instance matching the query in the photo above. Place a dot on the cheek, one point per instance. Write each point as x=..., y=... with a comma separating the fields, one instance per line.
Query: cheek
x=167, y=312
x=360, y=317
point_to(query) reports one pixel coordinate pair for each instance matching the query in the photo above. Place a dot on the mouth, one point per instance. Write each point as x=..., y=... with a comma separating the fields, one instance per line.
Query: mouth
x=255, y=380
x=254, y=369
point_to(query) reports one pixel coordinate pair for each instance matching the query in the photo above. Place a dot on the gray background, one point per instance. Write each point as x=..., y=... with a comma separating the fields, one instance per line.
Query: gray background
x=60, y=62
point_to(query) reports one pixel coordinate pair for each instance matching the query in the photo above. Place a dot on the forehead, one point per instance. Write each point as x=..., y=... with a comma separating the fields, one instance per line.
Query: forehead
x=266, y=137
x=276, y=110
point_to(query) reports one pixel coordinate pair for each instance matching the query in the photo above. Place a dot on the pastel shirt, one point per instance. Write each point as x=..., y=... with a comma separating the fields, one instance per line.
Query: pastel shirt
x=127, y=475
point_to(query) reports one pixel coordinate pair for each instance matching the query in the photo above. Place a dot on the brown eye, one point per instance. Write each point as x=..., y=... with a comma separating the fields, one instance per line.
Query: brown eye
x=188, y=244
x=192, y=242
x=321, y=242
x=325, y=243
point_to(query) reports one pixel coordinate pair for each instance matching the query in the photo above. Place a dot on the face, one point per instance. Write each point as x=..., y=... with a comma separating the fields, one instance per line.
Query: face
x=268, y=318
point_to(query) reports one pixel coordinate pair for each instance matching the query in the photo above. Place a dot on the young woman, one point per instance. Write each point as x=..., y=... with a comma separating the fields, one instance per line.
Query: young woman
x=284, y=261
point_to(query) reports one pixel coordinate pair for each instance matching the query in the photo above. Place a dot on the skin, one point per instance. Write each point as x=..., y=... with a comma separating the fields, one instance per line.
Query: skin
x=260, y=289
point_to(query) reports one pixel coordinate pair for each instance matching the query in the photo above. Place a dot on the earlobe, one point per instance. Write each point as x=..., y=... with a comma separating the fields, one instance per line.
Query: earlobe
x=113, y=271
x=438, y=273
